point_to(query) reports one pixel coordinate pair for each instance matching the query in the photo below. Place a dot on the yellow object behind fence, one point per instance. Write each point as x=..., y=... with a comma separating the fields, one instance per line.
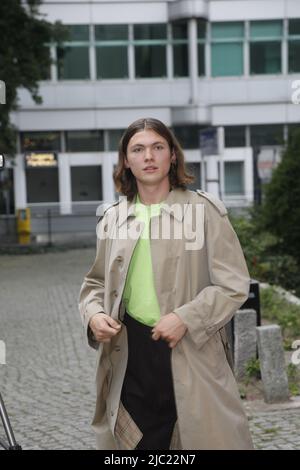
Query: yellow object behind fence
x=23, y=226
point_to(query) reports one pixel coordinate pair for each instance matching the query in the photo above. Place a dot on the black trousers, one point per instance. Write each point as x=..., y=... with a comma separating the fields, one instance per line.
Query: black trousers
x=147, y=392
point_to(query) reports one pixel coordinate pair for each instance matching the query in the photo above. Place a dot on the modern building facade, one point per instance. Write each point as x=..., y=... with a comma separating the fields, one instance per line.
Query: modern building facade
x=190, y=63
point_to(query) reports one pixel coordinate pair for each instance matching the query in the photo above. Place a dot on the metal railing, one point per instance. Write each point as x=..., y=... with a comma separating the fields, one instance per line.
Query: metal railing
x=40, y=209
x=11, y=443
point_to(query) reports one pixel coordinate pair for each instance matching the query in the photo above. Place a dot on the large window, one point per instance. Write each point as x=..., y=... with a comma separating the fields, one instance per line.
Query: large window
x=180, y=49
x=294, y=46
x=188, y=136
x=201, y=34
x=266, y=135
x=84, y=141
x=40, y=141
x=265, y=47
x=73, y=57
x=7, y=199
x=292, y=129
x=150, y=41
x=234, y=178
x=227, y=49
x=113, y=138
x=111, y=51
x=235, y=136
x=86, y=183
x=42, y=185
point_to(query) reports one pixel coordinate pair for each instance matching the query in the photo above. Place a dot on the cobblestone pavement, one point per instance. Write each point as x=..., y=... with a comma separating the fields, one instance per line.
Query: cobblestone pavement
x=48, y=381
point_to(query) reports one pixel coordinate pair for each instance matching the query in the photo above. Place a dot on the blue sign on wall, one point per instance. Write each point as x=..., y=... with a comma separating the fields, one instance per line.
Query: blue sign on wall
x=209, y=141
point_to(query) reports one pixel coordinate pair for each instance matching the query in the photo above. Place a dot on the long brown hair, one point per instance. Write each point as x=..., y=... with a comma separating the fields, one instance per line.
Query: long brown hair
x=125, y=181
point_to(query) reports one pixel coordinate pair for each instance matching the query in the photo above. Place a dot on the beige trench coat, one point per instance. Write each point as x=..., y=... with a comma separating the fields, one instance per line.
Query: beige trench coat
x=204, y=286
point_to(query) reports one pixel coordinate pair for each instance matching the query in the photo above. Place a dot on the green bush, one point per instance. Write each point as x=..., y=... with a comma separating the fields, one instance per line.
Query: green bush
x=264, y=252
x=293, y=373
x=252, y=369
x=278, y=310
x=281, y=202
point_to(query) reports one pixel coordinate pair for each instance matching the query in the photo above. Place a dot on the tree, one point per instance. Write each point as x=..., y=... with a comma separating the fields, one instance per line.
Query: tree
x=24, y=58
x=281, y=207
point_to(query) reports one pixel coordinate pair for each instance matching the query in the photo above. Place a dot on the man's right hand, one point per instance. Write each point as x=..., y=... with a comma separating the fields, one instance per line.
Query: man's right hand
x=104, y=327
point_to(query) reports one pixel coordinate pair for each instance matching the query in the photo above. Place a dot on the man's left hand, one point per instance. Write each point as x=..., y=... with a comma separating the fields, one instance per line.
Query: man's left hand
x=170, y=328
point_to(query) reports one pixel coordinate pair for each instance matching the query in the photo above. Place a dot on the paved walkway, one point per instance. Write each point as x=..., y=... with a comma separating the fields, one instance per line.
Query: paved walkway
x=48, y=381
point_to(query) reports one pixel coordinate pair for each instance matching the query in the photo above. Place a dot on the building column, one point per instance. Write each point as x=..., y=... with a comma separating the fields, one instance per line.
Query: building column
x=285, y=48
x=212, y=175
x=64, y=184
x=193, y=60
x=20, y=192
x=107, y=179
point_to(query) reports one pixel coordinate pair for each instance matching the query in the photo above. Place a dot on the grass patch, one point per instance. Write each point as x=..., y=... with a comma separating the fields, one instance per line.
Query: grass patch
x=271, y=430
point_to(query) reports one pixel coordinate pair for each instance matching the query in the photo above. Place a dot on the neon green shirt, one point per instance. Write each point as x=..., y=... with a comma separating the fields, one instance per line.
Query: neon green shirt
x=139, y=294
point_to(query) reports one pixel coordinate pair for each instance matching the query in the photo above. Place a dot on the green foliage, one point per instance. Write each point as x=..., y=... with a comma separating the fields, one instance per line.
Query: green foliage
x=24, y=57
x=270, y=234
x=271, y=430
x=252, y=369
x=264, y=252
x=293, y=373
x=278, y=310
x=281, y=208
x=242, y=392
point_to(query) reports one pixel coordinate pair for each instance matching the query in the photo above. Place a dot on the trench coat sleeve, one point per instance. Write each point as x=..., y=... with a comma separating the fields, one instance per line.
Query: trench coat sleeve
x=215, y=305
x=91, y=296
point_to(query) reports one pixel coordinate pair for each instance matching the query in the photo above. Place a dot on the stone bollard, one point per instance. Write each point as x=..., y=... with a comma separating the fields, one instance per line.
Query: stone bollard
x=244, y=340
x=272, y=363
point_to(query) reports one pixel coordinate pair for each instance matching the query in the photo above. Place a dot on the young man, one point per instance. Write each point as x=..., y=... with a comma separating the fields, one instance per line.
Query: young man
x=169, y=274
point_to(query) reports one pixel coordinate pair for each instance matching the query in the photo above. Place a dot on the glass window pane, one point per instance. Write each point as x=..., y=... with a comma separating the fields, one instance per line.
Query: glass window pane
x=188, y=136
x=266, y=135
x=227, y=59
x=150, y=61
x=114, y=137
x=42, y=185
x=86, y=183
x=235, y=136
x=234, y=178
x=179, y=30
x=78, y=33
x=294, y=27
x=266, y=29
x=180, y=59
x=265, y=57
x=201, y=59
x=44, y=141
x=111, y=32
x=112, y=62
x=84, y=141
x=294, y=56
x=201, y=29
x=228, y=30
x=194, y=168
x=292, y=129
x=150, y=31
x=7, y=198
x=73, y=63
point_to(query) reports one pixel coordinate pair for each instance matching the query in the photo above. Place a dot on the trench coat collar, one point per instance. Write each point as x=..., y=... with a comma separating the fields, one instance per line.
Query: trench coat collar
x=175, y=196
